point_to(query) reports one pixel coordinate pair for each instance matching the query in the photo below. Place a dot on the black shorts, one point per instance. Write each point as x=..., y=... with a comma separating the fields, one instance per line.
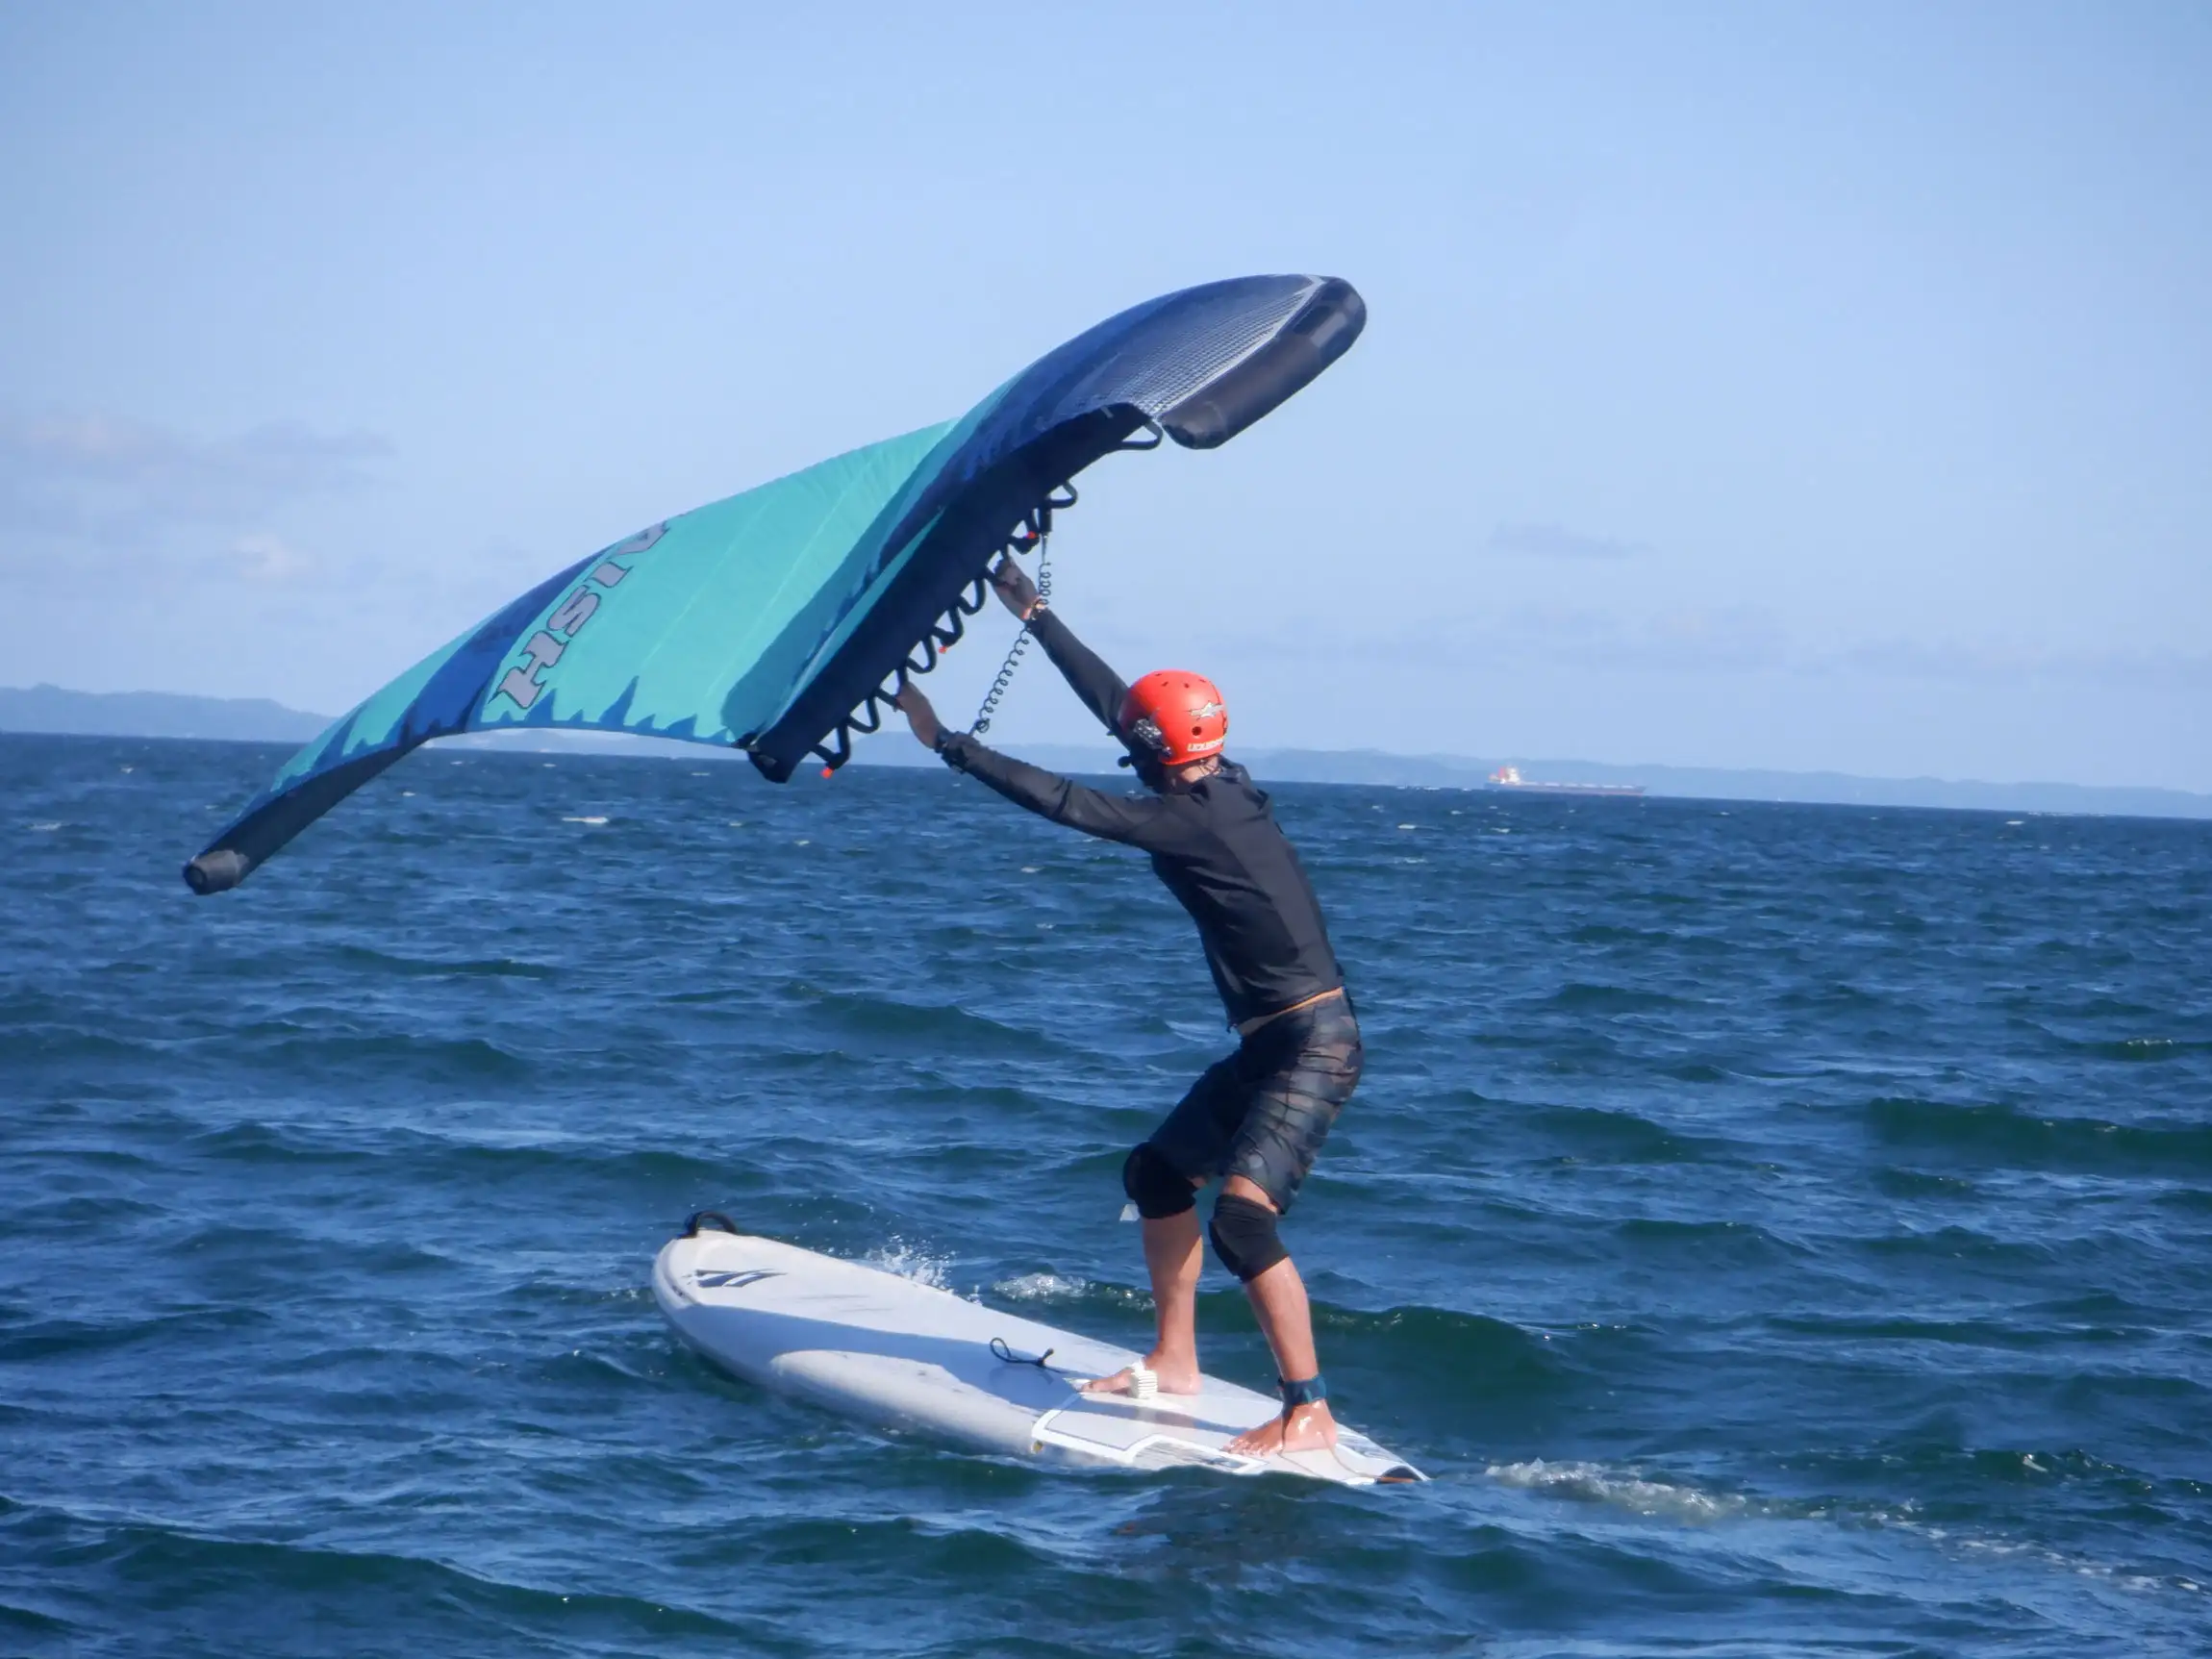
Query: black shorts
x=1264, y=1111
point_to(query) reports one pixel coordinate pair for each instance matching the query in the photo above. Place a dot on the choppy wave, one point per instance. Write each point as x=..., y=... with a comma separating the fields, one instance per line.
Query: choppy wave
x=1591, y=1483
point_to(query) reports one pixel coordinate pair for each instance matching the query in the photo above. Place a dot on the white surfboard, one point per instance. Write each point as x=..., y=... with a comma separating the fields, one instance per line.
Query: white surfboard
x=900, y=1354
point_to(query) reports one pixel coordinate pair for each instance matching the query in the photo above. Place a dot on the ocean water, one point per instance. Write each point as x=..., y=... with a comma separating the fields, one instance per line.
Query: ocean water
x=1780, y=1230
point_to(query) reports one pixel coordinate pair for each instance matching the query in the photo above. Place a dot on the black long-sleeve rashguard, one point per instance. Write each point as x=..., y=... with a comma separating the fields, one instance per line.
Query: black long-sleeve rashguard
x=1216, y=845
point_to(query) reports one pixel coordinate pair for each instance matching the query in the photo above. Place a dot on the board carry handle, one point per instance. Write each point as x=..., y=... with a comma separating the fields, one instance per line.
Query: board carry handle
x=703, y=1218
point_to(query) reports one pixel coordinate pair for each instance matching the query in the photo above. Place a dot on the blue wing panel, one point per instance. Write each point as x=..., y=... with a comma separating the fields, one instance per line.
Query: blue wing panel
x=772, y=617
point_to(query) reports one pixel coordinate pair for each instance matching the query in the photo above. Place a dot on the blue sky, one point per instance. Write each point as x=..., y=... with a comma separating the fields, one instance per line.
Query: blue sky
x=1806, y=387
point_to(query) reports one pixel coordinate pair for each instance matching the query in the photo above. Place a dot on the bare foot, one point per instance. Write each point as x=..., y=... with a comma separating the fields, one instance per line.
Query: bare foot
x=1175, y=1378
x=1302, y=1428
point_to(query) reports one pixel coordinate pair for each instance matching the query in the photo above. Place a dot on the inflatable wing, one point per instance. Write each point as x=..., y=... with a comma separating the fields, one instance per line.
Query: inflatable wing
x=775, y=621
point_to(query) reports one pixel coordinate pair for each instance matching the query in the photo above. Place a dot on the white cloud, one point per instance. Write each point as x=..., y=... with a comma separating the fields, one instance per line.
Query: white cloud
x=92, y=495
x=1999, y=662
x=1744, y=640
x=265, y=558
x=1557, y=542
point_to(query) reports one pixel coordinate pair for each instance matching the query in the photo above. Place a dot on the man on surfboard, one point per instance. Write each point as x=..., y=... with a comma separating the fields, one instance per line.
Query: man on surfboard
x=1256, y=1118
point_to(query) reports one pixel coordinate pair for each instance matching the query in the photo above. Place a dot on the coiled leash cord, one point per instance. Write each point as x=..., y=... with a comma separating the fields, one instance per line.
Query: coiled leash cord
x=991, y=698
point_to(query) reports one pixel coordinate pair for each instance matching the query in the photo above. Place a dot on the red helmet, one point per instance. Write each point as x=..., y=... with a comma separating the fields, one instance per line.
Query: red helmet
x=1178, y=716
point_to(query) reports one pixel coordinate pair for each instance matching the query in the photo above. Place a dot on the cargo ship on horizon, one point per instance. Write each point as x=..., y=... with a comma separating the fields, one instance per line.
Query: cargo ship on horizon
x=1510, y=778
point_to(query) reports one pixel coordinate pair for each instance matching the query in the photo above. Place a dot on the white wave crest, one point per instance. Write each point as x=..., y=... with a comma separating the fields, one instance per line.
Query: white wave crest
x=1041, y=1288
x=1593, y=1483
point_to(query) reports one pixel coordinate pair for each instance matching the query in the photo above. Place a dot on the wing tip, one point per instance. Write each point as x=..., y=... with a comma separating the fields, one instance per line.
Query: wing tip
x=1319, y=332
x=218, y=869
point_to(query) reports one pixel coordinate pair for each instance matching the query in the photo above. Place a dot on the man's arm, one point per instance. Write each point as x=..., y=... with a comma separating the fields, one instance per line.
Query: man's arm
x=1111, y=818
x=1100, y=687
x=1137, y=821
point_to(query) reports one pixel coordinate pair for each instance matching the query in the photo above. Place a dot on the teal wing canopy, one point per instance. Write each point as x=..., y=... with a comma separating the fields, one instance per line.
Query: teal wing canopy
x=779, y=621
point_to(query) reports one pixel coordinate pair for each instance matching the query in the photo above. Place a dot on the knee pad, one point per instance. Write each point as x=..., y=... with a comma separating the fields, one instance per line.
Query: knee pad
x=1154, y=1186
x=1244, y=1235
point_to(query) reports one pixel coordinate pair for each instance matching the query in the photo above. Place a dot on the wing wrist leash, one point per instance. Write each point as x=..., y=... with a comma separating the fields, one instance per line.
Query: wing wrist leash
x=784, y=619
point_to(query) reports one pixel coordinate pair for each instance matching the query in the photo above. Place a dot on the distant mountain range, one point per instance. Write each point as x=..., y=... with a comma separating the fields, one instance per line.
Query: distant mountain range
x=257, y=720
x=154, y=714
x=1705, y=783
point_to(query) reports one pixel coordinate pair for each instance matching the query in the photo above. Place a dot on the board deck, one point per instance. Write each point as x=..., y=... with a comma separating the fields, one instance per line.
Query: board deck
x=898, y=1354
